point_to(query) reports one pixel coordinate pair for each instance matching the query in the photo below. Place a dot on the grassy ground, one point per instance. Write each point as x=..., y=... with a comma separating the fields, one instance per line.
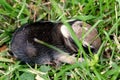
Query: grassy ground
x=105, y=14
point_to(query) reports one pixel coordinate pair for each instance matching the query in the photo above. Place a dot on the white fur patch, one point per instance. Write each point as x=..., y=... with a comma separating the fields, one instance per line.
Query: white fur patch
x=87, y=44
x=85, y=28
x=65, y=31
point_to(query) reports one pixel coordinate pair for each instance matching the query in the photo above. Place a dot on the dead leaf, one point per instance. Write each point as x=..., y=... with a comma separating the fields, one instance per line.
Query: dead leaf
x=39, y=78
x=2, y=48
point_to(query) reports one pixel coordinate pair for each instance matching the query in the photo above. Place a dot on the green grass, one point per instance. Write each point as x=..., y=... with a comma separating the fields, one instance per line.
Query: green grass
x=102, y=14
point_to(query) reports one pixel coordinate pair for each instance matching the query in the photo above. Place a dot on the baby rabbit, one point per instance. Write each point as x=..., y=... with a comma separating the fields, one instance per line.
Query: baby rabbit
x=25, y=47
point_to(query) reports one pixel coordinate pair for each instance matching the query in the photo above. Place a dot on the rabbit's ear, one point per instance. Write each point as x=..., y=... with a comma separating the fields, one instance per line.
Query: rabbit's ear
x=68, y=40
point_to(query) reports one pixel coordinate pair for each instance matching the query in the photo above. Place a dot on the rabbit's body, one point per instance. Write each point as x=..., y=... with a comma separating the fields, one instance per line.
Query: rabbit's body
x=25, y=48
